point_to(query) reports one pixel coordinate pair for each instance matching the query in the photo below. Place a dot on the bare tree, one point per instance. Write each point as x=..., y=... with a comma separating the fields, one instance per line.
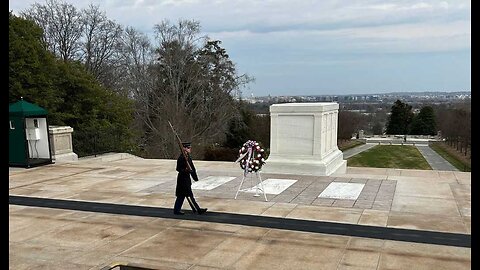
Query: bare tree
x=186, y=78
x=134, y=77
x=455, y=125
x=86, y=35
x=194, y=81
x=101, y=38
x=135, y=60
x=348, y=123
x=62, y=24
x=40, y=14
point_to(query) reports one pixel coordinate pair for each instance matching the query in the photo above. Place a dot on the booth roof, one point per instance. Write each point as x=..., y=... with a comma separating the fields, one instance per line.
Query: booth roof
x=24, y=108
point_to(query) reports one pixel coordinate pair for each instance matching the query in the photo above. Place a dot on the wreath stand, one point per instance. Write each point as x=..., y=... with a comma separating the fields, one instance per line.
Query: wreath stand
x=259, y=186
x=251, y=160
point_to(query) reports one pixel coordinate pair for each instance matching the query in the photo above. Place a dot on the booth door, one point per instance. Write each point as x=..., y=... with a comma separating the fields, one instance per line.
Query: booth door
x=16, y=141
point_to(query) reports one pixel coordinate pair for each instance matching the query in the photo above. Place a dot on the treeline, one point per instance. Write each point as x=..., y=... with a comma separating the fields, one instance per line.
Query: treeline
x=351, y=122
x=66, y=89
x=451, y=121
x=118, y=89
x=402, y=120
x=455, y=125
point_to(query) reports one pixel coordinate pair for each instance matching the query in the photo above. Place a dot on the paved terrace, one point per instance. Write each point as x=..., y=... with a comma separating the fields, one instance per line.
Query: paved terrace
x=117, y=208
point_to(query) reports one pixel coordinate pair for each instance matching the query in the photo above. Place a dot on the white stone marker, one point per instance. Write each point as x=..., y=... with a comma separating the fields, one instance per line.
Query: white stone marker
x=273, y=186
x=348, y=191
x=61, y=143
x=211, y=182
x=303, y=139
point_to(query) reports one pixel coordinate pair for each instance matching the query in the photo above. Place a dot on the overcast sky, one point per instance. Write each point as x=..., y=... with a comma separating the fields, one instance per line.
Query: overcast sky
x=322, y=47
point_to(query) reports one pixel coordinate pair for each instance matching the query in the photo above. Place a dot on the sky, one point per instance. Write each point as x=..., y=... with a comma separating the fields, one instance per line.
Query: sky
x=321, y=47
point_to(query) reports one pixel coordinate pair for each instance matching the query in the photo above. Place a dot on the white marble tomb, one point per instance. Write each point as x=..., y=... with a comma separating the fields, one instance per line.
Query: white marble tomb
x=303, y=139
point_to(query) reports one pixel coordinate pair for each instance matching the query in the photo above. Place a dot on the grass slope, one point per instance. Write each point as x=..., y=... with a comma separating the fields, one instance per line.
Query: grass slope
x=390, y=156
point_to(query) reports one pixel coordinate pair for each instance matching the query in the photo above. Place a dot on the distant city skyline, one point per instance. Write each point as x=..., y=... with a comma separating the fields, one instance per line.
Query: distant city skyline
x=427, y=94
x=394, y=93
x=322, y=47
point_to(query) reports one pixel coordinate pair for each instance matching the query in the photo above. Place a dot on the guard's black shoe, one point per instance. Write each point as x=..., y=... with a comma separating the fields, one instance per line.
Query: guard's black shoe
x=179, y=213
x=202, y=210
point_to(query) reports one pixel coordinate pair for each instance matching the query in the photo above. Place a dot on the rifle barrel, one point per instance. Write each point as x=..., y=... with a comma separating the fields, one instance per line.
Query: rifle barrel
x=181, y=147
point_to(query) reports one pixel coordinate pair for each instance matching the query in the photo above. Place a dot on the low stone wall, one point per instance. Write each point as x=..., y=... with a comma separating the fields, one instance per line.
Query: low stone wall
x=424, y=137
x=109, y=157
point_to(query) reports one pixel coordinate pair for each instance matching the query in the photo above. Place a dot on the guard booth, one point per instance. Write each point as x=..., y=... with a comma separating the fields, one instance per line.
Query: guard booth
x=28, y=140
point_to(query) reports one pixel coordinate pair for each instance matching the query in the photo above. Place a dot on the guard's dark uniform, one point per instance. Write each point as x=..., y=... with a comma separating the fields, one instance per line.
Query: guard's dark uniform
x=184, y=183
x=184, y=186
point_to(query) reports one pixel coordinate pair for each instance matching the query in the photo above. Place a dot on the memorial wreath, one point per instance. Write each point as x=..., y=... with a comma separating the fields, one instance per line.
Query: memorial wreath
x=251, y=156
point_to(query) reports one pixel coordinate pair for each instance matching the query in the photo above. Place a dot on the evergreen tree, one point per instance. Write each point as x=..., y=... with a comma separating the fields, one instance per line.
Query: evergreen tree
x=70, y=94
x=194, y=84
x=239, y=128
x=424, y=123
x=400, y=118
x=31, y=68
x=377, y=128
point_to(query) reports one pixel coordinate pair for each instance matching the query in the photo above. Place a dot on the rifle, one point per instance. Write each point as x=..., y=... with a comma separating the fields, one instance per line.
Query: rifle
x=181, y=147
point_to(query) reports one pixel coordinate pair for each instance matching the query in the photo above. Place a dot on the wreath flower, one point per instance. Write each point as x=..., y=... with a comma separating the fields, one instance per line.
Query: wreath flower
x=251, y=156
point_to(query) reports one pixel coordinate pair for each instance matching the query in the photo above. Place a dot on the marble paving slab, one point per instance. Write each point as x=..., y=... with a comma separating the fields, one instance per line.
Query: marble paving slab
x=211, y=182
x=347, y=191
x=273, y=186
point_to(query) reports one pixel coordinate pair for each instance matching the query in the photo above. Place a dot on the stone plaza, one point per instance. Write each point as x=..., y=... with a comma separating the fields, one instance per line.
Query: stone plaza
x=57, y=237
x=116, y=210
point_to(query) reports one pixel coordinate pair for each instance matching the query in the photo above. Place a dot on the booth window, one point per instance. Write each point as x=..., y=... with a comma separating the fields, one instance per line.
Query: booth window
x=11, y=125
x=35, y=123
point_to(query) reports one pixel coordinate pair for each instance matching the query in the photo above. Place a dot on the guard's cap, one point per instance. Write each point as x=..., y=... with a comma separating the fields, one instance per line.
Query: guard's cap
x=186, y=144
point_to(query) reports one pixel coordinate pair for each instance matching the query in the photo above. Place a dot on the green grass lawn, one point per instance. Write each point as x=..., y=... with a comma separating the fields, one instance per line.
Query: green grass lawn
x=390, y=156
